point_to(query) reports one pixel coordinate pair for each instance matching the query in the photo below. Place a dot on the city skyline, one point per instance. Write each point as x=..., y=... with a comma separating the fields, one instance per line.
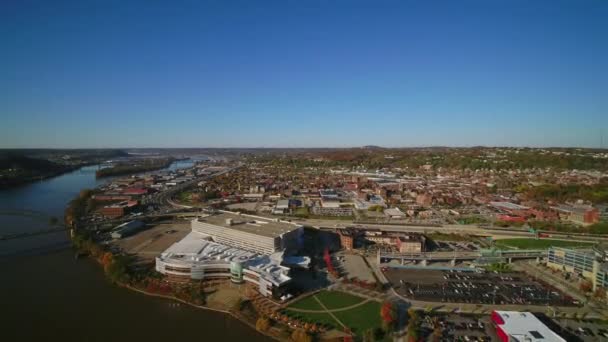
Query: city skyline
x=339, y=74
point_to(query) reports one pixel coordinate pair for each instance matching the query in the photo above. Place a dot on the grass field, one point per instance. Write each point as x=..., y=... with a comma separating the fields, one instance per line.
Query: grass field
x=308, y=303
x=336, y=299
x=358, y=319
x=331, y=300
x=361, y=318
x=523, y=243
x=318, y=318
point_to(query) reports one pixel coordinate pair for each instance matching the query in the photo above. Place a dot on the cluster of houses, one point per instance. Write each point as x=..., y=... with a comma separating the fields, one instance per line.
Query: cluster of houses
x=426, y=195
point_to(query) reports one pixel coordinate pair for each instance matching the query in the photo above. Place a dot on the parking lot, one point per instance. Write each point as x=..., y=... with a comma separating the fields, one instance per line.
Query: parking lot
x=474, y=287
x=149, y=243
x=459, y=327
x=583, y=330
x=448, y=246
x=353, y=266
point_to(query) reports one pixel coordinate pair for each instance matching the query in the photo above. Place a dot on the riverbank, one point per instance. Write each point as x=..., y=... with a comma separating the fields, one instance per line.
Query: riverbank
x=66, y=299
x=129, y=168
x=22, y=181
x=230, y=313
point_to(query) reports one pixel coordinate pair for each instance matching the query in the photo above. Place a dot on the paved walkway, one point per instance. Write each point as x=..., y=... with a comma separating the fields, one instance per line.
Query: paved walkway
x=330, y=313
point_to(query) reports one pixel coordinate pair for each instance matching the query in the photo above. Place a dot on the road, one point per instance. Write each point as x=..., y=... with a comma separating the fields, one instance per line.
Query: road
x=163, y=198
x=448, y=228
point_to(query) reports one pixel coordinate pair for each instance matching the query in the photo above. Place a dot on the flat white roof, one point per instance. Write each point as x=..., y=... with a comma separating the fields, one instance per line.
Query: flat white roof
x=508, y=205
x=197, y=249
x=394, y=212
x=524, y=326
x=249, y=223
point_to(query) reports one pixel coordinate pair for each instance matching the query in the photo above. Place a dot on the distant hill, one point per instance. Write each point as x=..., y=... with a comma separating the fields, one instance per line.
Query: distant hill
x=372, y=147
x=20, y=162
x=19, y=169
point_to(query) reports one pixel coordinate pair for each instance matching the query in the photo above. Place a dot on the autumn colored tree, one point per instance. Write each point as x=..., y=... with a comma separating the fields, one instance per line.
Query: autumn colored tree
x=437, y=330
x=413, y=331
x=262, y=324
x=328, y=263
x=600, y=292
x=388, y=315
x=106, y=261
x=300, y=335
x=585, y=286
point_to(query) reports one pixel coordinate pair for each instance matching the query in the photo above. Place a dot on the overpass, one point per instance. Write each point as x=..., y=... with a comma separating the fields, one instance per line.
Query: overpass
x=481, y=256
x=495, y=233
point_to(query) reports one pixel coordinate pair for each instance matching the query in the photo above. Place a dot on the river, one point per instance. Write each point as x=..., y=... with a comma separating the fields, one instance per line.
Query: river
x=48, y=295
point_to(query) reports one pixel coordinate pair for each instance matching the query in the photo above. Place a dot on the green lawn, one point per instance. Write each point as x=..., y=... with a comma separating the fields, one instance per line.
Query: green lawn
x=336, y=299
x=308, y=303
x=331, y=300
x=318, y=318
x=361, y=318
x=524, y=243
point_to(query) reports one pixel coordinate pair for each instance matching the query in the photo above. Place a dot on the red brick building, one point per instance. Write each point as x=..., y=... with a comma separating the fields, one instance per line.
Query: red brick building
x=347, y=240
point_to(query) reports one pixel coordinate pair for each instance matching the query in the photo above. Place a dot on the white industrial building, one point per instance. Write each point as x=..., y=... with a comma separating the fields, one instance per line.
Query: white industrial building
x=243, y=248
x=252, y=233
x=515, y=326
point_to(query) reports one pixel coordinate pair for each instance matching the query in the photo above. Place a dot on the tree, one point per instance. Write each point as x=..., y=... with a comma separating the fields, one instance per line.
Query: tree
x=106, y=260
x=117, y=270
x=300, y=335
x=437, y=330
x=262, y=324
x=388, y=315
x=368, y=335
x=585, y=286
x=600, y=293
x=95, y=250
x=90, y=206
x=413, y=331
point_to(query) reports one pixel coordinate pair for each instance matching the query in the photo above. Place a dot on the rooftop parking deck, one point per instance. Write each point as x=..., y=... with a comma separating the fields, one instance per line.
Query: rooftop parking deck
x=249, y=224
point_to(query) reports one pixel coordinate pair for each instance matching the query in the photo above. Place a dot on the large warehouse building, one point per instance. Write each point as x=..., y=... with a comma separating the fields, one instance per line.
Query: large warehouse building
x=238, y=247
x=515, y=326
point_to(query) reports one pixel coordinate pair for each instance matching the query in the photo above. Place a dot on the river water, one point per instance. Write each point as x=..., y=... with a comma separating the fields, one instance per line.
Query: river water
x=48, y=295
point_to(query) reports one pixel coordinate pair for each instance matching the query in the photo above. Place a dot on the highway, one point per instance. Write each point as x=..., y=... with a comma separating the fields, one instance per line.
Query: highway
x=164, y=198
x=495, y=233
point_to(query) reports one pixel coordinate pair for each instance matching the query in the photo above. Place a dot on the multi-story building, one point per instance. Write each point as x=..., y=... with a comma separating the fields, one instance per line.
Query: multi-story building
x=591, y=264
x=346, y=239
x=584, y=215
x=196, y=257
x=405, y=243
x=410, y=243
x=243, y=248
x=118, y=209
x=578, y=261
x=252, y=233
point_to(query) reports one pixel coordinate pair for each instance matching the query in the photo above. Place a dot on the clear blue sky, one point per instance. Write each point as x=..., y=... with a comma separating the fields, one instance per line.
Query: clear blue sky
x=303, y=73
